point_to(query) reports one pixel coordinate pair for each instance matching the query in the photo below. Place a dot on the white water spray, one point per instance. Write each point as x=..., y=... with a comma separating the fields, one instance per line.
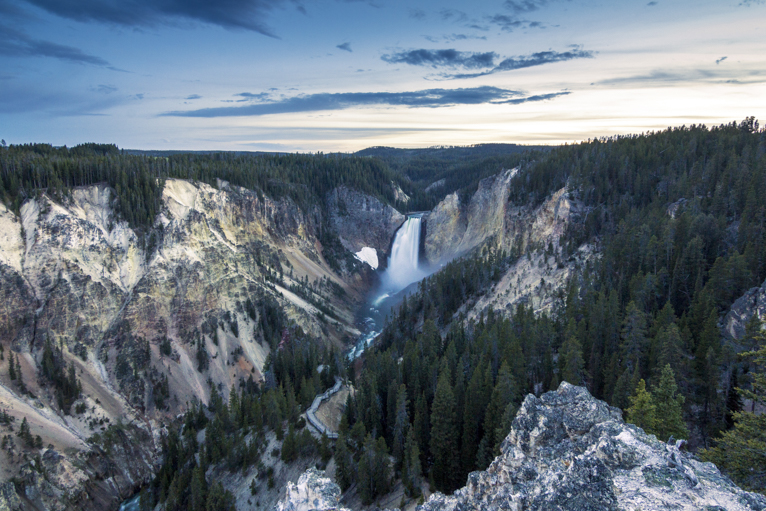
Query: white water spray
x=403, y=268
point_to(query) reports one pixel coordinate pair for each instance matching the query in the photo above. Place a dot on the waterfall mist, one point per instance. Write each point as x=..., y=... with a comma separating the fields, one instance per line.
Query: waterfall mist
x=403, y=265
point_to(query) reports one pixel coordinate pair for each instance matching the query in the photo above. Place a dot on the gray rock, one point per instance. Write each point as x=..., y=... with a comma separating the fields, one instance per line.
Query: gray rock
x=313, y=491
x=9, y=499
x=570, y=451
x=751, y=303
x=362, y=221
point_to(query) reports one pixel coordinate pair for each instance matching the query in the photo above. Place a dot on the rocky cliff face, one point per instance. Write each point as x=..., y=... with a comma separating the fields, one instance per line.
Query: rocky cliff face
x=453, y=229
x=569, y=451
x=131, y=309
x=363, y=221
x=489, y=220
x=752, y=303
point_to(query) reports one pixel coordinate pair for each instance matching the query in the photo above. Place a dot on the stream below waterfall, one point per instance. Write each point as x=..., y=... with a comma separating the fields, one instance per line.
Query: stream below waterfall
x=399, y=278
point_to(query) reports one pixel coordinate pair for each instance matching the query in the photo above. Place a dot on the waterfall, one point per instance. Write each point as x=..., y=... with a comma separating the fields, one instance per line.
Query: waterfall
x=403, y=268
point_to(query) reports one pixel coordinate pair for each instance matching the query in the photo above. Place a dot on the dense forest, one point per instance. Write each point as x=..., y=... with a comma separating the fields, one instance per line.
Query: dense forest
x=678, y=217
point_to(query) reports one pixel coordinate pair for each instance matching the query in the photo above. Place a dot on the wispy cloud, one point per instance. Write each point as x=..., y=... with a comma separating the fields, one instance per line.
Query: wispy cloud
x=451, y=38
x=686, y=76
x=17, y=44
x=105, y=89
x=193, y=96
x=345, y=47
x=523, y=6
x=417, y=14
x=232, y=14
x=524, y=61
x=429, y=98
x=718, y=61
x=442, y=58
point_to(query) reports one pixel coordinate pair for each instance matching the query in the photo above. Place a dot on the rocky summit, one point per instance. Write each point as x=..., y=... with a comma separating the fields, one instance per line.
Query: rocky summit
x=570, y=451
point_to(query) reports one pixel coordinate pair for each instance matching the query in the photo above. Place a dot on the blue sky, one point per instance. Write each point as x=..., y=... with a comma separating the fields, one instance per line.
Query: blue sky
x=342, y=75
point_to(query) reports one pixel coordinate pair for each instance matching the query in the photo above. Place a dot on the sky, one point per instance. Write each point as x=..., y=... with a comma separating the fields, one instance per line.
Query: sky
x=343, y=75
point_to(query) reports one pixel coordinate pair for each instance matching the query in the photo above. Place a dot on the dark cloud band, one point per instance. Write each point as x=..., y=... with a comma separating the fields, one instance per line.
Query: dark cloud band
x=17, y=44
x=430, y=98
x=442, y=58
x=237, y=14
x=524, y=61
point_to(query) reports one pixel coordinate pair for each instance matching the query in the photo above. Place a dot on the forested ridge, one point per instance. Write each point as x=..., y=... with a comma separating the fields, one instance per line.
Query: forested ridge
x=29, y=169
x=678, y=217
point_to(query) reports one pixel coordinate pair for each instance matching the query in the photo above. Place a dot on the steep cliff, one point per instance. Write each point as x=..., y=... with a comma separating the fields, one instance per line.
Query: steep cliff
x=363, y=221
x=453, y=229
x=148, y=320
x=568, y=451
x=489, y=220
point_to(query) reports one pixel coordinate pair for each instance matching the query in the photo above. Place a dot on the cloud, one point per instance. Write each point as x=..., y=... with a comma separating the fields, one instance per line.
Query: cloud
x=106, y=89
x=232, y=14
x=345, y=47
x=447, y=58
x=651, y=4
x=718, y=61
x=430, y=98
x=249, y=96
x=682, y=76
x=453, y=15
x=535, y=59
x=15, y=43
x=510, y=23
x=417, y=14
x=453, y=37
x=193, y=96
x=524, y=6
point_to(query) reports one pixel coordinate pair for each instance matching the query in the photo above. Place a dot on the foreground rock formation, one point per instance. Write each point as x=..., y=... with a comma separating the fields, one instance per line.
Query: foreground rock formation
x=570, y=451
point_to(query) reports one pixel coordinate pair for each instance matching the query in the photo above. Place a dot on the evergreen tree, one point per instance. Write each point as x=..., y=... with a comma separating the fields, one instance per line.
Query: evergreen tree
x=642, y=411
x=444, y=436
x=669, y=407
x=741, y=451
x=198, y=490
x=344, y=464
x=412, y=472
x=12, y=367
x=573, y=369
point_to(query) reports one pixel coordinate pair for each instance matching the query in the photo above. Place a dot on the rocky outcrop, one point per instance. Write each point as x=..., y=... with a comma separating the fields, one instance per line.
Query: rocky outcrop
x=312, y=492
x=752, y=303
x=362, y=221
x=569, y=451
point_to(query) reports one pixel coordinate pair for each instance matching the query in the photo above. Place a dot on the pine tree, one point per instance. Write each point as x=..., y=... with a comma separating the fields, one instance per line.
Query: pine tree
x=741, y=451
x=344, y=464
x=669, y=407
x=401, y=424
x=642, y=411
x=198, y=490
x=412, y=473
x=573, y=370
x=11, y=367
x=444, y=436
